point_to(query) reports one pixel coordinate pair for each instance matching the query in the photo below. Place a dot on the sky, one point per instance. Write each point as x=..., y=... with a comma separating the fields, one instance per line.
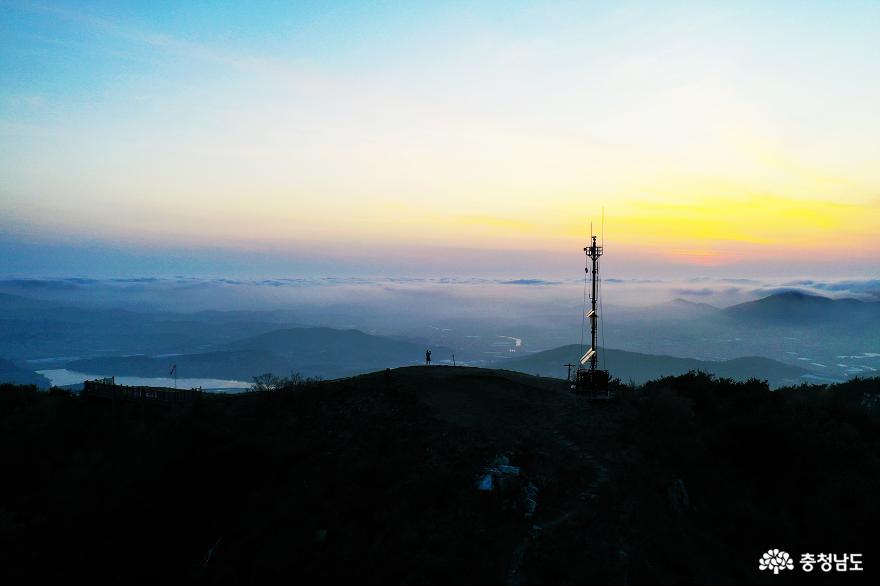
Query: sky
x=324, y=138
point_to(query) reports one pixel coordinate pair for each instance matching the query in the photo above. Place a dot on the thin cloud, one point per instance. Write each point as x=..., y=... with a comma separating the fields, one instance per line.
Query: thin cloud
x=529, y=282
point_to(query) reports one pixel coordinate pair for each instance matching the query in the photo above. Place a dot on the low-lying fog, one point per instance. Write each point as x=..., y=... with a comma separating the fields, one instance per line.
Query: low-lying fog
x=440, y=297
x=485, y=320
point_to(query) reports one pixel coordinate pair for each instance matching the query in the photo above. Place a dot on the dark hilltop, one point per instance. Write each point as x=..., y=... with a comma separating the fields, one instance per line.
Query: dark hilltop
x=374, y=479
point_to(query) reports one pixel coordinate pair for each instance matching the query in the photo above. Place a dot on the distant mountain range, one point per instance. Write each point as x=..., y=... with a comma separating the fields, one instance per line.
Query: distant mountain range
x=833, y=338
x=11, y=373
x=32, y=328
x=792, y=308
x=639, y=368
x=785, y=308
x=323, y=352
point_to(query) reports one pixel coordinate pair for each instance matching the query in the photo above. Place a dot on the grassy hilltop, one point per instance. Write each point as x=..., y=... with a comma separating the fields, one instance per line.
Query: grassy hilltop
x=684, y=480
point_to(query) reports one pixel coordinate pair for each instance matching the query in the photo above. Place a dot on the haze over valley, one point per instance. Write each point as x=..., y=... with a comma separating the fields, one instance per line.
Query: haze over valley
x=68, y=328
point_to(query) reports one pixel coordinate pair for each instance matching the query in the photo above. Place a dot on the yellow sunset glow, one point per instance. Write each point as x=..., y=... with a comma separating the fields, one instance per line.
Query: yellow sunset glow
x=702, y=144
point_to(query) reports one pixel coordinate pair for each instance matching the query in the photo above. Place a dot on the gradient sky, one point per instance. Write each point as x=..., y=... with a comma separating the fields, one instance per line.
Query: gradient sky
x=352, y=137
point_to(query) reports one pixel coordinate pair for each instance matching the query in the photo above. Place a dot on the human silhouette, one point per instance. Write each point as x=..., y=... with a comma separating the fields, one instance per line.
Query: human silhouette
x=428, y=357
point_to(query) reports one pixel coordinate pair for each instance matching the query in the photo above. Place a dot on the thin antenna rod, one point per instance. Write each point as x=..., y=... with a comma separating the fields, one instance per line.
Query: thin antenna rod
x=589, y=378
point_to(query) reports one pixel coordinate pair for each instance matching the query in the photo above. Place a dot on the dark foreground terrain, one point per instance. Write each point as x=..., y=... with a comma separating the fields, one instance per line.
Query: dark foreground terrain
x=371, y=480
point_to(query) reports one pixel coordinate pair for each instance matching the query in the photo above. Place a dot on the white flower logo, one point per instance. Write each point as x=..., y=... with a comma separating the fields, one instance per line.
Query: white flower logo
x=775, y=560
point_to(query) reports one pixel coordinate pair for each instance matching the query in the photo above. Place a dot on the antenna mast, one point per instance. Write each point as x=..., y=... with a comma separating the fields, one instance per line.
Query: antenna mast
x=592, y=380
x=593, y=253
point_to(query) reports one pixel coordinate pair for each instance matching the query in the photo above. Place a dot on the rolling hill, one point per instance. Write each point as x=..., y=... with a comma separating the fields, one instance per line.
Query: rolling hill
x=32, y=328
x=373, y=479
x=11, y=373
x=321, y=352
x=796, y=308
x=638, y=367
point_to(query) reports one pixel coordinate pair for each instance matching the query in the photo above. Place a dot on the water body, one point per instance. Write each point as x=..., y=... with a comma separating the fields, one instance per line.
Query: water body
x=62, y=377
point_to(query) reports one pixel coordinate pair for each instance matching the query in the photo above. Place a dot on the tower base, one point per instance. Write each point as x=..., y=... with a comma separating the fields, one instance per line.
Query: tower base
x=593, y=383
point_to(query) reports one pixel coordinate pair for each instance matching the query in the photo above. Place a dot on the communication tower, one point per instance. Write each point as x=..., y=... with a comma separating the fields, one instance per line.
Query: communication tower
x=589, y=378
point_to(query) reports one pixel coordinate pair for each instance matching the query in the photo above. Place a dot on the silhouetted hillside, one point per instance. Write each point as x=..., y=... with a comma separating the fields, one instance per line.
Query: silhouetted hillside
x=798, y=308
x=672, y=310
x=639, y=368
x=686, y=480
x=328, y=345
x=11, y=373
x=32, y=328
x=323, y=352
x=231, y=365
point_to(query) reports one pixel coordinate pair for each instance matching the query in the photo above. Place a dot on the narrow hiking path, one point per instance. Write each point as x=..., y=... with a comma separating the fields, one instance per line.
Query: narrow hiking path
x=515, y=575
x=566, y=440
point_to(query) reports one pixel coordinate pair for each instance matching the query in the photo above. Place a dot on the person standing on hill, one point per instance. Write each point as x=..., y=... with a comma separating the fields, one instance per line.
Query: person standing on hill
x=428, y=357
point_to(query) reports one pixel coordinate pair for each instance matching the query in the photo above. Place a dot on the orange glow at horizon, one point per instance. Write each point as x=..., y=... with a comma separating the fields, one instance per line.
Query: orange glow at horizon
x=705, y=146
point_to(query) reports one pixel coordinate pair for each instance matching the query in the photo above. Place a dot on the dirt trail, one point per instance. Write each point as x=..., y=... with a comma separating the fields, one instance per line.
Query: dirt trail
x=515, y=575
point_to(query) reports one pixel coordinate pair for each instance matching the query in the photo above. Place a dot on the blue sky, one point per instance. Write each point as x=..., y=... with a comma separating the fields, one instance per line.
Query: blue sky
x=415, y=137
